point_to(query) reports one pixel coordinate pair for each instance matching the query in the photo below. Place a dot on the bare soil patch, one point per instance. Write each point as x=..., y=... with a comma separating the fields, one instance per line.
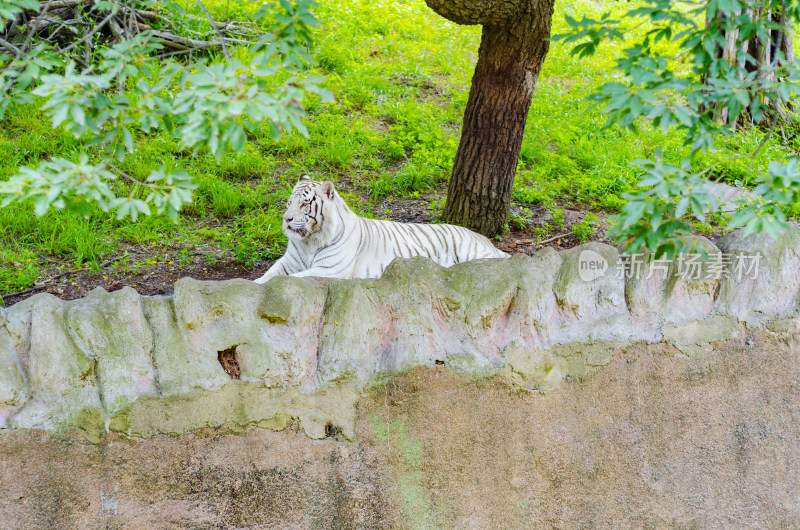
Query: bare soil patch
x=153, y=279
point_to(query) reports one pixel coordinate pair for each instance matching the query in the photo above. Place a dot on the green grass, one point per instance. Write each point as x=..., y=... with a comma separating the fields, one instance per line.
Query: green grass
x=401, y=76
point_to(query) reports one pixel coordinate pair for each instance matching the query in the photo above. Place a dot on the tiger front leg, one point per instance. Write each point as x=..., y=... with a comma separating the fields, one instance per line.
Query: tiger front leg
x=277, y=269
x=287, y=265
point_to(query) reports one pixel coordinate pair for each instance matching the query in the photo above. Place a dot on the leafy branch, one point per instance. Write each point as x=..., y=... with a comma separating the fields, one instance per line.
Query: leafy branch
x=120, y=91
x=741, y=73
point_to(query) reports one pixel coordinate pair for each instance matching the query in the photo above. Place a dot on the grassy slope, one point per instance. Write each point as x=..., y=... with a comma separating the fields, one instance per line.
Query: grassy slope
x=401, y=78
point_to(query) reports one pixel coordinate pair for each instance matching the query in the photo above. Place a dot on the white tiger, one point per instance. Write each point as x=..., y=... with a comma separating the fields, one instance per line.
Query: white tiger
x=327, y=239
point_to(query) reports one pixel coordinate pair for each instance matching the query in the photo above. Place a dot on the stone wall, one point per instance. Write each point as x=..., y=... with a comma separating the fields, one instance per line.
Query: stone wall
x=305, y=349
x=654, y=439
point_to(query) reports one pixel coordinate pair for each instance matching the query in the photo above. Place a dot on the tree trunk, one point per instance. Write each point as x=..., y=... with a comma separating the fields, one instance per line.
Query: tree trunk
x=513, y=47
x=763, y=52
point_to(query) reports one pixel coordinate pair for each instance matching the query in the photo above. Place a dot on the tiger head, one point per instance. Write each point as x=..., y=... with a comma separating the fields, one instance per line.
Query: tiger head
x=310, y=205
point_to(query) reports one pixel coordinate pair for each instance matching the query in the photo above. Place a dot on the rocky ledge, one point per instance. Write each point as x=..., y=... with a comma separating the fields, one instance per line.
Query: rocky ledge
x=232, y=354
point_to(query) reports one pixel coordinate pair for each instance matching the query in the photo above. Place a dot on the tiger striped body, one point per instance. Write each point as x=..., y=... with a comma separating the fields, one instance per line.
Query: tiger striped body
x=327, y=239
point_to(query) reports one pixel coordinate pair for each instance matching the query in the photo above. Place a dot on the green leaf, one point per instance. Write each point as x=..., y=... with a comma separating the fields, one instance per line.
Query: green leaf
x=127, y=138
x=78, y=114
x=60, y=115
x=237, y=138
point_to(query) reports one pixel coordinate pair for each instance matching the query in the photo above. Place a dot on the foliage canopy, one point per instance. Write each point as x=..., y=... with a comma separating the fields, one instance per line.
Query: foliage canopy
x=205, y=106
x=738, y=75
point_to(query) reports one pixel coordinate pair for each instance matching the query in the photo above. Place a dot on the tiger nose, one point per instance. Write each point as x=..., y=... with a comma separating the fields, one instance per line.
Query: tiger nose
x=287, y=219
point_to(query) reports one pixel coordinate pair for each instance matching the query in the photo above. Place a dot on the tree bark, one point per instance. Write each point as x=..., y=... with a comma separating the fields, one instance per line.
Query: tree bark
x=513, y=47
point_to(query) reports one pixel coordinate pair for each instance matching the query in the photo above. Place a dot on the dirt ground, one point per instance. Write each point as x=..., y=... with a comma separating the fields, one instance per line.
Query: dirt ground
x=653, y=440
x=175, y=262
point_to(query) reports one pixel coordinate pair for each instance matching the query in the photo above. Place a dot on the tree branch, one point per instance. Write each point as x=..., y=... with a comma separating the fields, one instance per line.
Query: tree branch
x=89, y=34
x=34, y=25
x=470, y=12
x=10, y=47
x=216, y=29
x=138, y=182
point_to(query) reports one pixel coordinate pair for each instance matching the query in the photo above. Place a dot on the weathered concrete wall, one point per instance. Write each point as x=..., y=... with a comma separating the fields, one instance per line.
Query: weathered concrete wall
x=655, y=439
x=305, y=349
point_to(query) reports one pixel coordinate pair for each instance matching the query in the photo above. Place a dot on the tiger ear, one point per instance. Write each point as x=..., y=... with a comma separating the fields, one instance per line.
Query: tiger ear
x=327, y=187
x=303, y=177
